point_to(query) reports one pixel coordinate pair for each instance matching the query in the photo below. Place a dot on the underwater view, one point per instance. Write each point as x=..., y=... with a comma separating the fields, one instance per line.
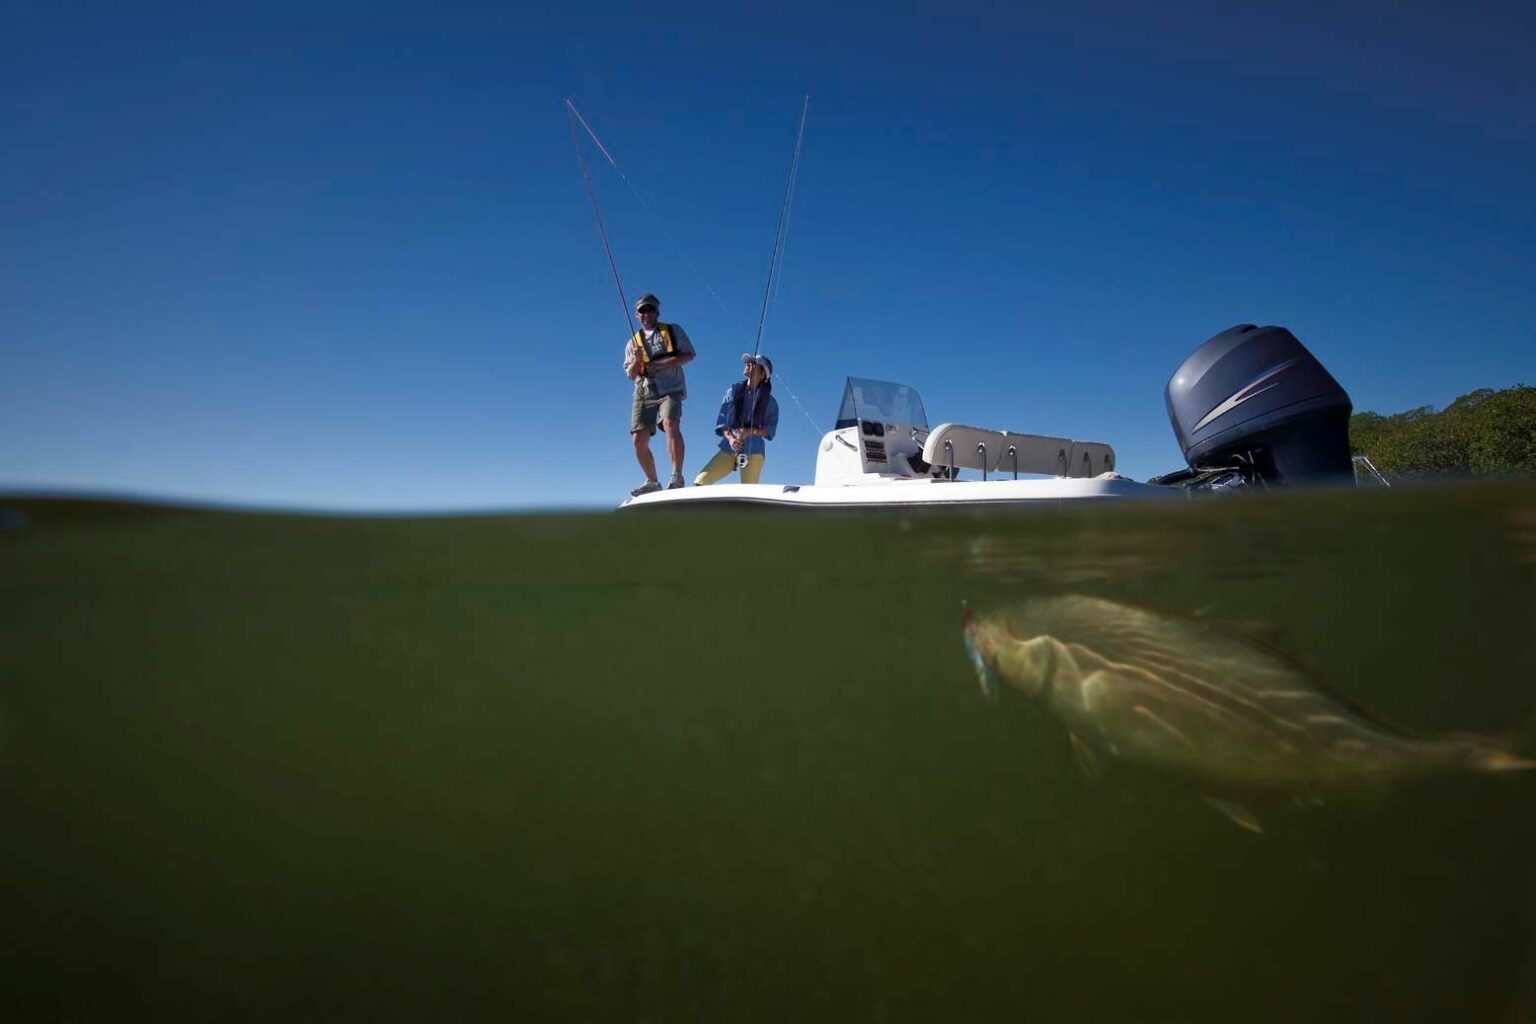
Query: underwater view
x=755, y=766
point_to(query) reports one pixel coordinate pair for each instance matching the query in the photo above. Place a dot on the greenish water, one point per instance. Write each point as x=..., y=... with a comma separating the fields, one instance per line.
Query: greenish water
x=731, y=767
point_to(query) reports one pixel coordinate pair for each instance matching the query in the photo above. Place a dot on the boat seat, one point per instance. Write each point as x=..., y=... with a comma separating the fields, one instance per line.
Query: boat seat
x=1090, y=458
x=1036, y=453
x=1007, y=452
x=970, y=447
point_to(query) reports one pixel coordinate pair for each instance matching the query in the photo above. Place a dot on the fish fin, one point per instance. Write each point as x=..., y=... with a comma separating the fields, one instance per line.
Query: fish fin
x=1088, y=759
x=1240, y=816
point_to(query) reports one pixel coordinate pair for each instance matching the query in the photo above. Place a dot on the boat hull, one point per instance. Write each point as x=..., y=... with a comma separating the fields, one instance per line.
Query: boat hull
x=899, y=493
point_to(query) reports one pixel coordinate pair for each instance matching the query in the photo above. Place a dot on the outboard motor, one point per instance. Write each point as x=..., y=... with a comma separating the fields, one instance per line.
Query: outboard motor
x=1253, y=406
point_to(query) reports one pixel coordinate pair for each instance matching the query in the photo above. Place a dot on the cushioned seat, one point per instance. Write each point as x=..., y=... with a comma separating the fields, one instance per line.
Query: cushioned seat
x=1002, y=451
x=1036, y=453
x=953, y=444
x=1090, y=458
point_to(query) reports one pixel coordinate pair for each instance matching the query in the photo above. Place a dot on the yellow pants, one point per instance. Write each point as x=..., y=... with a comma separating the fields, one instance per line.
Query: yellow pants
x=721, y=466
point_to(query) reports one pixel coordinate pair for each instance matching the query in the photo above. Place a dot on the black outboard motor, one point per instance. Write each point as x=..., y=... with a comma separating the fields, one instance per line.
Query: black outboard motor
x=1253, y=403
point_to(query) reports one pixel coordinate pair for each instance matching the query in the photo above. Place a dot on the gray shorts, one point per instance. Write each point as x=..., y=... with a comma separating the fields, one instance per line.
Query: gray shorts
x=645, y=412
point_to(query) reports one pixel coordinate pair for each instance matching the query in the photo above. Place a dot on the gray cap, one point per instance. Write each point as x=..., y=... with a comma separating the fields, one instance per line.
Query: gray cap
x=647, y=300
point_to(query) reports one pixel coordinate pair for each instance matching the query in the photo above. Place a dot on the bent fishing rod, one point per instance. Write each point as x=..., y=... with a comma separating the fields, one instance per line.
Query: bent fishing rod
x=601, y=230
x=661, y=225
x=775, y=262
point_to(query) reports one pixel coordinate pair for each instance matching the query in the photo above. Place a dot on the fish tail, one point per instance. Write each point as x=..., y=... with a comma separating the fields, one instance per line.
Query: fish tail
x=1488, y=754
x=1501, y=760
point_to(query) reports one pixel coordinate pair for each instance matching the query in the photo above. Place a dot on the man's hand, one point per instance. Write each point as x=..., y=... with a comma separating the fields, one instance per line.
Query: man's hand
x=734, y=437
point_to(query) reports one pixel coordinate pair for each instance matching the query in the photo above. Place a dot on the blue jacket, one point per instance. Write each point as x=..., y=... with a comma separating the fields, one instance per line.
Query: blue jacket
x=726, y=420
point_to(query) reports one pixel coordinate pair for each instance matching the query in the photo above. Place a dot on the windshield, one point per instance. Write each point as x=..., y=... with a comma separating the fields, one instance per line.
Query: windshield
x=881, y=401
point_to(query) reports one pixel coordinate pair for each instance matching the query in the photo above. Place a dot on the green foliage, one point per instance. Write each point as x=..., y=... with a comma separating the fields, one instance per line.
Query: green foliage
x=1484, y=433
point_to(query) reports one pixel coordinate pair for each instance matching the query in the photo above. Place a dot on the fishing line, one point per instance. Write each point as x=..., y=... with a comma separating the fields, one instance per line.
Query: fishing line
x=659, y=223
x=814, y=425
x=592, y=194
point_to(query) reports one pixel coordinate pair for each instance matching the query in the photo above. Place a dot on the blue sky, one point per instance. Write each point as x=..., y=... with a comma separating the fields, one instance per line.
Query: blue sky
x=331, y=256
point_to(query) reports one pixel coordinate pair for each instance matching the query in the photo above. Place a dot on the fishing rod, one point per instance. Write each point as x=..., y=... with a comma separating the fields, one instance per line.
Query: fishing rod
x=660, y=224
x=778, y=237
x=775, y=261
x=603, y=231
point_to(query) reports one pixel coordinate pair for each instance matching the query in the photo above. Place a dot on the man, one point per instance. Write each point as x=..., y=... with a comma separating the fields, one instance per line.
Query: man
x=748, y=419
x=654, y=358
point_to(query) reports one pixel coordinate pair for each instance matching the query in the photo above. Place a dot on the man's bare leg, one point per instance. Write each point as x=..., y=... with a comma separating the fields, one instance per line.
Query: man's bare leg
x=643, y=453
x=674, y=429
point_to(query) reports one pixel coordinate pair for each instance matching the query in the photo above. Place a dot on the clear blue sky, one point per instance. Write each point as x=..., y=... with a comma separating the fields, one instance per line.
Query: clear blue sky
x=341, y=257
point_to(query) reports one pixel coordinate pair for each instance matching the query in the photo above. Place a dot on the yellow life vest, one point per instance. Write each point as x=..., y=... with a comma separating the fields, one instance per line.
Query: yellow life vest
x=666, y=337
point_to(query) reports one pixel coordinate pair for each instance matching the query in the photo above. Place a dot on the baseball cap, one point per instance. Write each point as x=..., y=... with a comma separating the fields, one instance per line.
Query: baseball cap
x=763, y=361
x=647, y=300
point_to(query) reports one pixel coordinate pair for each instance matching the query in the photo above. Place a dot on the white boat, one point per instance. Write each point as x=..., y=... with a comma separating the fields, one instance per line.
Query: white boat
x=1251, y=408
x=882, y=453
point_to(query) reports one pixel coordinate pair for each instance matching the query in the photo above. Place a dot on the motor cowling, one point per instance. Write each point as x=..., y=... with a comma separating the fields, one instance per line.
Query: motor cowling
x=1255, y=398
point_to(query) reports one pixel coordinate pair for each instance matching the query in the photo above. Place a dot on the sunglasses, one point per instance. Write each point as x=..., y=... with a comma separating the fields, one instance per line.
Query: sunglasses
x=647, y=309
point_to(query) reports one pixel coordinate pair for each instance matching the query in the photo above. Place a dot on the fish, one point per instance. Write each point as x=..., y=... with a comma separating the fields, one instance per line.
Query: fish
x=1226, y=713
